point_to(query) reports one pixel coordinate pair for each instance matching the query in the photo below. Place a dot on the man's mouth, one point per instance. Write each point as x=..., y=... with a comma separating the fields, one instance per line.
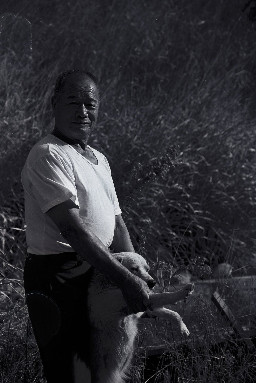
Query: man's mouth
x=81, y=122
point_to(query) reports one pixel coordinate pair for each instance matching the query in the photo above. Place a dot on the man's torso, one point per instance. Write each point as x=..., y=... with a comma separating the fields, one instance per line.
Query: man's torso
x=55, y=172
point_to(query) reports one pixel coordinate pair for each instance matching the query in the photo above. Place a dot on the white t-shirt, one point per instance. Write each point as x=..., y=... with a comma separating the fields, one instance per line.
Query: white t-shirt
x=55, y=172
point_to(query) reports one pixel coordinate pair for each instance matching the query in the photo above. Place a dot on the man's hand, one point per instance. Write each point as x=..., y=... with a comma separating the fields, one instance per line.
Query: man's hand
x=136, y=294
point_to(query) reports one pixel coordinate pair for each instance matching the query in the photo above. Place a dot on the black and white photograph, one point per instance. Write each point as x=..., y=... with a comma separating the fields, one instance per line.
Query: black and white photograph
x=128, y=191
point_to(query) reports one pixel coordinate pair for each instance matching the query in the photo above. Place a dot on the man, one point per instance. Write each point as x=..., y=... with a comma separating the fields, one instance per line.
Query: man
x=73, y=218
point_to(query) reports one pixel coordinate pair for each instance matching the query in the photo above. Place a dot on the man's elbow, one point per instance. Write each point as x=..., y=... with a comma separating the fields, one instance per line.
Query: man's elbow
x=68, y=230
x=66, y=217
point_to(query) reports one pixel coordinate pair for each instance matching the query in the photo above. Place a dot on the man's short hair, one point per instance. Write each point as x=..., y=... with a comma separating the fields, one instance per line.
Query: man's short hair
x=61, y=79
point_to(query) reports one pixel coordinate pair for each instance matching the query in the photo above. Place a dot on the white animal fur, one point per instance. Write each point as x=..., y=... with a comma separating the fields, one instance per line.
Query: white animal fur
x=113, y=328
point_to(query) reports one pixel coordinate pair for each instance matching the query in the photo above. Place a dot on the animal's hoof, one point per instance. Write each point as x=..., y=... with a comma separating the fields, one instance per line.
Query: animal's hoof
x=184, y=330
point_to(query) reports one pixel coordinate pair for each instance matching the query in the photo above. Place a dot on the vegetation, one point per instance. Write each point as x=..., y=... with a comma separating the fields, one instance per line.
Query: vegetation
x=177, y=122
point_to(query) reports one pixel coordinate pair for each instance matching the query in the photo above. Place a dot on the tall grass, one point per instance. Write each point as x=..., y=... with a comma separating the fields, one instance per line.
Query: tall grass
x=177, y=121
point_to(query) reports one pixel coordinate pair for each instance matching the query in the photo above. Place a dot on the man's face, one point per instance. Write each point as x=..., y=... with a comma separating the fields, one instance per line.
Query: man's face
x=76, y=107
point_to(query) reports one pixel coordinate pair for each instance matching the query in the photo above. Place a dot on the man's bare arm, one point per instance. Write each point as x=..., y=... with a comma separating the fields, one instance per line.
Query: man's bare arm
x=121, y=241
x=89, y=248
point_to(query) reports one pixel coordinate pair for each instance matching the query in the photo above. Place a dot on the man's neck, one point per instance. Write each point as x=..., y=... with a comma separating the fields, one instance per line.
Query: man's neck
x=68, y=140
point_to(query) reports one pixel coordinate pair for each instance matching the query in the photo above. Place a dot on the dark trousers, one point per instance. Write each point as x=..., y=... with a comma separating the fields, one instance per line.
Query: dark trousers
x=56, y=290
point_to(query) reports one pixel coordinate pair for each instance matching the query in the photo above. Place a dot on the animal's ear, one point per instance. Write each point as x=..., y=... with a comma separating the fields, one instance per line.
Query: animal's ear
x=119, y=258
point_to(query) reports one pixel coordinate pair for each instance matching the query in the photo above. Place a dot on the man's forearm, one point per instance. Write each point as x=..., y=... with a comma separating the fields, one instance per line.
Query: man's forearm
x=89, y=247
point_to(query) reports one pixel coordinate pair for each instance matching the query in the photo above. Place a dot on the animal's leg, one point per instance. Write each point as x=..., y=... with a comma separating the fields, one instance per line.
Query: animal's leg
x=126, y=365
x=103, y=375
x=161, y=299
x=101, y=350
x=172, y=316
x=110, y=355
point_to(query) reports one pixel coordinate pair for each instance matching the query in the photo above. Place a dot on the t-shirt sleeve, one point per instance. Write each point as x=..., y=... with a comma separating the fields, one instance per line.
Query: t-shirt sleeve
x=51, y=181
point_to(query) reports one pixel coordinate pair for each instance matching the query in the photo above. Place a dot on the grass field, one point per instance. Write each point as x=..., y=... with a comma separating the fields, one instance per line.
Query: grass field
x=177, y=123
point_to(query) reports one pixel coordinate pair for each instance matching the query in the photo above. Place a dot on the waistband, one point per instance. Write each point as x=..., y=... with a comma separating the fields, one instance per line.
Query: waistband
x=58, y=261
x=65, y=266
x=62, y=257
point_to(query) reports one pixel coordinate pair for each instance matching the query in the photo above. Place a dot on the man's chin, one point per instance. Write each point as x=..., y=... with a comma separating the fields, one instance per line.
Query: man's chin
x=78, y=130
x=77, y=137
x=82, y=138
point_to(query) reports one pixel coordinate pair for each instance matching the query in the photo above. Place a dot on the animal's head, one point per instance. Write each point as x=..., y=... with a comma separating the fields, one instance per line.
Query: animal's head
x=137, y=265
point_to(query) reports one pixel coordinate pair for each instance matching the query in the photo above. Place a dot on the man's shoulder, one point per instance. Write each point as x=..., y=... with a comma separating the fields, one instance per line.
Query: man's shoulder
x=48, y=150
x=47, y=146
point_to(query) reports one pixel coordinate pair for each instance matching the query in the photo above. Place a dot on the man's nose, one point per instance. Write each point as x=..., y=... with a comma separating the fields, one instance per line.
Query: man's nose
x=82, y=111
